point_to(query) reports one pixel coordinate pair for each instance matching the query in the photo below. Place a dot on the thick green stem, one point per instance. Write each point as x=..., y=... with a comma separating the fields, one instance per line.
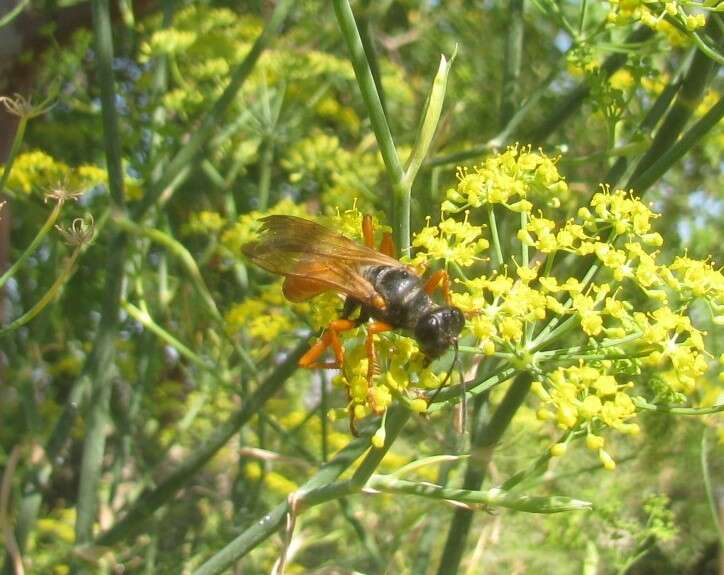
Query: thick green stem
x=692, y=137
x=400, y=205
x=510, y=88
x=102, y=358
x=487, y=435
x=690, y=94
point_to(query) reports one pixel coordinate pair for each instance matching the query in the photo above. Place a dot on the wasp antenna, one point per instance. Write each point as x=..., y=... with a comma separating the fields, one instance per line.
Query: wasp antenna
x=447, y=375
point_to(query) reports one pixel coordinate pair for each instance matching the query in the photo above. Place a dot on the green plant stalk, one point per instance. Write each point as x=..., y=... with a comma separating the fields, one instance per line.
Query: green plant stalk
x=708, y=488
x=146, y=320
x=513, y=57
x=17, y=143
x=102, y=358
x=690, y=94
x=497, y=251
x=33, y=245
x=493, y=497
x=487, y=435
x=10, y=16
x=48, y=296
x=676, y=410
x=400, y=206
x=267, y=157
x=319, y=484
x=452, y=394
x=152, y=498
x=185, y=156
x=692, y=137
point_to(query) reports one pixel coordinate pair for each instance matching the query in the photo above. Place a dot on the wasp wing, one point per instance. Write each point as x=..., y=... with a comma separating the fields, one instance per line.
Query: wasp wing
x=314, y=259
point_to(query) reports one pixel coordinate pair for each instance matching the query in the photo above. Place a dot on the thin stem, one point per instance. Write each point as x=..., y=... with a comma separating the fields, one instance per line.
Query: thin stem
x=14, y=13
x=49, y=222
x=17, y=142
x=146, y=320
x=400, y=205
x=48, y=296
x=497, y=251
x=493, y=497
x=708, y=488
x=675, y=410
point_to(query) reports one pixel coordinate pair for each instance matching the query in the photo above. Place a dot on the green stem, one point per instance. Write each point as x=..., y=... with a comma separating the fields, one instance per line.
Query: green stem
x=33, y=245
x=675, y=410
x=692, y=137
x=510, y=86
x=708, y=488
x=215, y=118
x=497, y=251
x=17, y=142
x=267, y=157
x=487, y=434
x=10, y=16
x=48, y=296
x=400, y=205
x=691, y=92
x=146, y=320
x=102, y=357
x=493, y=497
x=152, y=498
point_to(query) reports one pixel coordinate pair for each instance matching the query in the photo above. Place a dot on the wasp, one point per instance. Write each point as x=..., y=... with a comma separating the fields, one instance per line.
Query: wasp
x=314, y=259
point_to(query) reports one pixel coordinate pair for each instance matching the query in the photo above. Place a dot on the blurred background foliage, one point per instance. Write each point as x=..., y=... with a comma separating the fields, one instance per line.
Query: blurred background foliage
x=296, y=139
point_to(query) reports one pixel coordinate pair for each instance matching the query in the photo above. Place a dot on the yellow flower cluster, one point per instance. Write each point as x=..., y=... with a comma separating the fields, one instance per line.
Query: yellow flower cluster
x=657, y=16
x=513, y=178
x=584, y=396
x=449, y=241
x=344, y=175
x=38, y=172
x=400, y=366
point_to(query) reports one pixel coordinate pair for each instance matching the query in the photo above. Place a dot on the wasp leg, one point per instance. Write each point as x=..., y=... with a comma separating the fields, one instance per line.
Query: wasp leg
x=368, y=232
x=439, y=277
x=372, y=329
x=387, y=245
x=329, y=338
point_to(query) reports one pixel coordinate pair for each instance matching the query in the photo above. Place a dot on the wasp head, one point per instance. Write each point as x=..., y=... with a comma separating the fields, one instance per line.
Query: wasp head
x=437, y=330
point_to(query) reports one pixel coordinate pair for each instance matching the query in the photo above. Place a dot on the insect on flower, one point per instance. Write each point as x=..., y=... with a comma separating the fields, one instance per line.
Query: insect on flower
x=314, y=259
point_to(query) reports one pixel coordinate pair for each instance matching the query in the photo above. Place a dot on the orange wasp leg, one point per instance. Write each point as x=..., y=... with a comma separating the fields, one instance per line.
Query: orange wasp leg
x=372, y=329
x=435, y=279
x=387, y=245
x=329, y=338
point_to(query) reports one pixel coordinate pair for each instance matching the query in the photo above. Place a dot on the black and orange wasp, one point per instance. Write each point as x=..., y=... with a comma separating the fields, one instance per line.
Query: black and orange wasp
x=315, y=259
